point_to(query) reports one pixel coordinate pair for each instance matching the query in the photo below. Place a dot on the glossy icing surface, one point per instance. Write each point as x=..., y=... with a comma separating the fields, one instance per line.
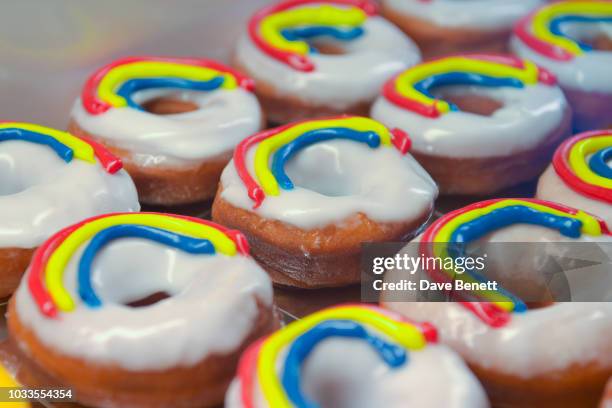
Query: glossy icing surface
x=223, y=118
x=487, y=15
x=552, y=187
x=339, y=80
x=526, y=119
x=212, y=305
x=554, y=37
x=393, y=362
x=40, y=193
x=363, y=380
x=336, y=179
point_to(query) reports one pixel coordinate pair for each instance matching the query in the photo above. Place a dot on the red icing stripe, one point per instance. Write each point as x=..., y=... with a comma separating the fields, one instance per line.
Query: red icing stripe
x=521, y=30
x=562, y=167
x=247, y=368
x=93, y=105
x=296, y=61
x=43, y=253
x=111, y=163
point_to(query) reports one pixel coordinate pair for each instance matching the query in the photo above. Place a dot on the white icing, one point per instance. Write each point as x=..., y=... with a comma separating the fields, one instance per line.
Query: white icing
x=212, y=308
x=336, y=179
x=339, y=81
x=551, y=187
x=432, y=377
x=41, y=194
x=489, y=15
x=588, y=72
x=537, y=342
x=223, y=118
x=527, y=118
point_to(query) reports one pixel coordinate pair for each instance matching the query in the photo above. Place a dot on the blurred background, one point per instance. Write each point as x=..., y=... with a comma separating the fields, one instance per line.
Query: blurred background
x=49, y=47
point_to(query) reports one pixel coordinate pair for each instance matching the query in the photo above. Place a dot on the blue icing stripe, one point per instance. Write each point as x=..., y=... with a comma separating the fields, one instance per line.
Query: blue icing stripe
x=63, y=151
x=181, y=242
x=557, y=23
x=463, y=78
x=394, y=355
x=311, y=137
x=298, y=33
x=599, y=162
x=128, y=88
x=515, y=214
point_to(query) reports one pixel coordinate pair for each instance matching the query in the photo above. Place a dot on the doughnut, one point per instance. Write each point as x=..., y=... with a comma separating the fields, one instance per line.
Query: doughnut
x=557, y=354
x=443, y=27
x=479, y=123
x=50, y=179
x=309, y=193
x=314, y=58
x=573, y=40
x=353, y=356
x=173, y=121
x=580, y=175
x=142, y=310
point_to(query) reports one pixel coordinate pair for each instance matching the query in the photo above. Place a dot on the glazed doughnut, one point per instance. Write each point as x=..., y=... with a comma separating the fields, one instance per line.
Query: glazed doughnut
x=580, y=174
x=573, y=40
x=372, y=357
x=50, y=179
x=555, y=355
x=508, y=118
x=331, y=184
x=315, y=58
x=443, y=27
x=173, y=121
x=86, y=311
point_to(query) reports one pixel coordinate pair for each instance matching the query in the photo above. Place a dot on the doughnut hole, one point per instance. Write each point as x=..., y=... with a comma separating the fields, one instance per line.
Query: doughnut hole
x=469, y=99
x=17, y=174
x=166, y=101
x=168, y=106
x=598, y=36
x=323, y=169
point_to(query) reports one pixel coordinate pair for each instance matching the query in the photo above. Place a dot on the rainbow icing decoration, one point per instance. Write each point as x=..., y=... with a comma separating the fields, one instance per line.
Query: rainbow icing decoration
x=449, y=235
x=64, y=144
x=280, y=30
x=582, y=163
x=274, y=147
x=411, y=89
x=113, y=85
x=187, y=234
x=542, y=30
x=390, y=335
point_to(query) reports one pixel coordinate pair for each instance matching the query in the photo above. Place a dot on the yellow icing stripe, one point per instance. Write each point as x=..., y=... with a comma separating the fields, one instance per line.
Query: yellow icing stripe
x=62, y=255
x=404, y=334
x=81, y=149
x=542, y=19
x=267, y=147
x=155, y=69
x=405, y=81
x=578, y=160
x=323, y=15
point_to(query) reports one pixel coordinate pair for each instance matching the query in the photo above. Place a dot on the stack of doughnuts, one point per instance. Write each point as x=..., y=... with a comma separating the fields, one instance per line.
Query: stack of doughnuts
x=330, y=134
